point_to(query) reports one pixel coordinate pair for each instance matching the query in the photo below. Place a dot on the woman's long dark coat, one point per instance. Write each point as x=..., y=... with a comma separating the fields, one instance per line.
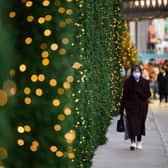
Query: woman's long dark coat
x=135, y=102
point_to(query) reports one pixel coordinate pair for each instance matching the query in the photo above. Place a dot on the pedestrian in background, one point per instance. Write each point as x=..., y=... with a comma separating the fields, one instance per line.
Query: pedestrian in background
x=163, y=84
x=134, y=101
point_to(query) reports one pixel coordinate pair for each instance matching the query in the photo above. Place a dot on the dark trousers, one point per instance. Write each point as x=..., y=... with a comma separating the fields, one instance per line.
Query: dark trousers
x=164, y=96
x=139, y=138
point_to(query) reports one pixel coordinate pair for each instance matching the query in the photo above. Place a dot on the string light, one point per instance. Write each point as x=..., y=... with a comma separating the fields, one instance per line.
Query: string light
x=53, y=148
x=60, y=91
x=20, y=142
x=46, y=3
x=53, y=82
x=54, y=47
x=30, y=18
x=12, y=14
x=39, y=92
x=27, y=100
x=56, y=102
x=41, y=77
x=29, y=4
x=22, y=68
x=28, y=40
x=57, y=127
x=47, y=32
x=59, y=153
x=45, y=62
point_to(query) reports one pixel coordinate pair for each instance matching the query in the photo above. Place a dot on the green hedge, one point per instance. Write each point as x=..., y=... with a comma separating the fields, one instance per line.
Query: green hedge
x=66, y=66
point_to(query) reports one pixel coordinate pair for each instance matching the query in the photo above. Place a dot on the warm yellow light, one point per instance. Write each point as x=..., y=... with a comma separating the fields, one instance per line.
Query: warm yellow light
x=53, y=148
x=27, y=100
x=76, y=65
x=39, y=92
x=56, y=102
x=34, y=78
x=70, y=79
x=69, y=0
x=67, y=111
x=29, y=4
x=43, y=46
x=57, y=127
x=41, y=20
x=60, y=91
x=27, y=90
x=70, y=136
x=30, y=18
x=3, y=98
x=12, y=72
x=65, y=40
x=47, y=32
x=71, y=155
x=12, y=14
x=69, y=12
x=66, y=85
x=68, y=21
x=20, y=129
x=20, y=142
x=59, y=154
x=44, y=54
x=35, y=144
x=33, y=148
x=62, y=51
x=3, y=155
x=61, y=117
x=62, y=24
x=12, y=91
x=22, y=67
x=10, y=87
x=45, y=62
x=54, y=47
x=48, y=17
x=61, y=10
x=27, y=128
x=41, y=77
x=53, y=82
x=46, y=3
x=28, y=40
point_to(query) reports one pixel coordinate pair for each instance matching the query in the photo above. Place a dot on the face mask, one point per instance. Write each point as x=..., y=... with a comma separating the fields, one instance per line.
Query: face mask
x=136, y=74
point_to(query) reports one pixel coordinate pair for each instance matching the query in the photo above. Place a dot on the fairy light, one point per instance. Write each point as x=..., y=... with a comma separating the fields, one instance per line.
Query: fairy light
x=30, y=18
x=22, y=68
x=41, y=77
x=12, y=14
x=27, y=90
x=56, y=102
x=28, y=40
x=53, y=149
x=29, y=4
x=57, y=127
x=54, y=47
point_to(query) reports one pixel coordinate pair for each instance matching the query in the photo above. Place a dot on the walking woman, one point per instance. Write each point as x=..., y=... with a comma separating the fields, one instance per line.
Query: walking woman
x=135, y=102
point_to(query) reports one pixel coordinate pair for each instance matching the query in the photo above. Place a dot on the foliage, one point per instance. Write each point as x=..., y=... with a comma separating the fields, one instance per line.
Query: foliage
x=67, y=67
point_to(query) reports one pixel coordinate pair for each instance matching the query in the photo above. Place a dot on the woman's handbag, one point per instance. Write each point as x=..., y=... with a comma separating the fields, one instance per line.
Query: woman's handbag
x=120, y=124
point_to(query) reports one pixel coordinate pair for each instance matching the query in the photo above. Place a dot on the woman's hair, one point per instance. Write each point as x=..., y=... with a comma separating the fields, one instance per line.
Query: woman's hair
x=134, y=67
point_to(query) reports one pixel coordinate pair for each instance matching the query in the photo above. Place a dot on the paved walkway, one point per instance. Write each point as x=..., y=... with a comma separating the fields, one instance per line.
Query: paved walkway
x=155, y=144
